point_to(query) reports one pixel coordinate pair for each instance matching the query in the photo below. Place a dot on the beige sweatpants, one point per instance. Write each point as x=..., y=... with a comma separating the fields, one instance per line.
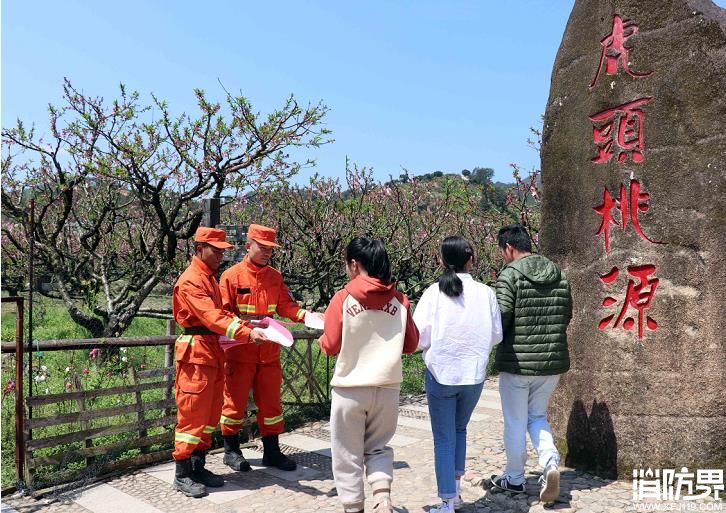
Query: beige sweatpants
x=362, y=421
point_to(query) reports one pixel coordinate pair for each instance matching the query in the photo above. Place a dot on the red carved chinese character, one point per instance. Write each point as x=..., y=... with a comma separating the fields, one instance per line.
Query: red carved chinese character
x=638, y=296
x=628, y=210
x=614, y=51
x=627, y=120
x=607, y=218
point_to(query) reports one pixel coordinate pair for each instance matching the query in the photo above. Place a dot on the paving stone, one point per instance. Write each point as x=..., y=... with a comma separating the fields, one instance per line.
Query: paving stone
x=486, y=403
x=99, y=497
x=424, y=425
x=306, y=443
x=475, y=417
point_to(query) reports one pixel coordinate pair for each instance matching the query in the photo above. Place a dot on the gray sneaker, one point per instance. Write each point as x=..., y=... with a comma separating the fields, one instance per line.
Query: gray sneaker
x=550, y=484
x=458, y=502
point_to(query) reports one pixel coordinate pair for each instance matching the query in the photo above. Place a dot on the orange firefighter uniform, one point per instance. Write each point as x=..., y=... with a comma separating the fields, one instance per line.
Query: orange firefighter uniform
x=251, y=292
x=197, y=306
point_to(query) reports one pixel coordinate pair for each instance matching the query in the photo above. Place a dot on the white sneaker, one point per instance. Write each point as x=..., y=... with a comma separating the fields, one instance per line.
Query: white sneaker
x=383, y=505
x=458, y=502
x=550, y=484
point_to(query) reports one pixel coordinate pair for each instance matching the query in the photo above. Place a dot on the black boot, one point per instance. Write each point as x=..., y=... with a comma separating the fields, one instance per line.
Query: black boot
x=201, y=474
x=233, y=457
x=273, y=457
x=185, y=483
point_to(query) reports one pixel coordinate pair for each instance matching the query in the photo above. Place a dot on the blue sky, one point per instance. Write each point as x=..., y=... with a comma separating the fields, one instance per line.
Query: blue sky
x=424, y=85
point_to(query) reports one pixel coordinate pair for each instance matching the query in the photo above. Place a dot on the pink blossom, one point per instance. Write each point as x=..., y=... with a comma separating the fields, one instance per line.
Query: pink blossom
x=94, y=353
x=86, y=371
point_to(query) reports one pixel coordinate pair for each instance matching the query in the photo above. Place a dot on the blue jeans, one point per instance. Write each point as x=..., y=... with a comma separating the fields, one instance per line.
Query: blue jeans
x=450, y=408
x=524, y=406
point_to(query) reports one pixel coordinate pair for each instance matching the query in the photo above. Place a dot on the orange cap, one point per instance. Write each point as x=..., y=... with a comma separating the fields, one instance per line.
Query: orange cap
x=213, y=237
x=262, y=235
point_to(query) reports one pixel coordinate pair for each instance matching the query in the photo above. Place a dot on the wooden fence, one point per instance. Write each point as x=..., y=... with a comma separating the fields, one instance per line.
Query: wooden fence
x=87, y=440
x=103, y=433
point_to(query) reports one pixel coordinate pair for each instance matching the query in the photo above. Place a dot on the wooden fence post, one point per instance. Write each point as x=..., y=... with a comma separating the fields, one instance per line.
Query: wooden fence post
x=169, y=361
x=310, y=372
x=85, y=424
x=139, y=407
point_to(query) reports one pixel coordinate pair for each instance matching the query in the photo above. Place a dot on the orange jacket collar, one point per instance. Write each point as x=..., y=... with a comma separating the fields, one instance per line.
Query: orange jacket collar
x=199, y=264
x=253, y=267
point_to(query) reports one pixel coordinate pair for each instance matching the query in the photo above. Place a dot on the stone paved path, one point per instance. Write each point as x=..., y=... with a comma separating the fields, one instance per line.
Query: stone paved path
x=311, y=487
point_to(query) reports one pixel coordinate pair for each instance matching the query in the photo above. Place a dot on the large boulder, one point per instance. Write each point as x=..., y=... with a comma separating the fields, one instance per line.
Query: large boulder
x=634, y=151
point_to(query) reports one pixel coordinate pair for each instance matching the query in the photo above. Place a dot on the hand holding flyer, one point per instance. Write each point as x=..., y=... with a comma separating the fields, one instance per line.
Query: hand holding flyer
x=277, y=333
x=270, y=328
x=314, y=320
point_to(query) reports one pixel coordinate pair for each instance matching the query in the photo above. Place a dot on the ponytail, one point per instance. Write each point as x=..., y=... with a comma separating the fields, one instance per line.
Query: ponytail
x=455, y=253
x=450, y=284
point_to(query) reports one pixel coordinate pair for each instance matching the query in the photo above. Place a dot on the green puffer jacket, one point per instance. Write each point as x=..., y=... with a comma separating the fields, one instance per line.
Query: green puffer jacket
x=536, y=304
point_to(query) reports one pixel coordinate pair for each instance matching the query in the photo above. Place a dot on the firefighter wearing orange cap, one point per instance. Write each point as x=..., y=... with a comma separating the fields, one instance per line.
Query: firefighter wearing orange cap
x=252, y=290
x=197, y=307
